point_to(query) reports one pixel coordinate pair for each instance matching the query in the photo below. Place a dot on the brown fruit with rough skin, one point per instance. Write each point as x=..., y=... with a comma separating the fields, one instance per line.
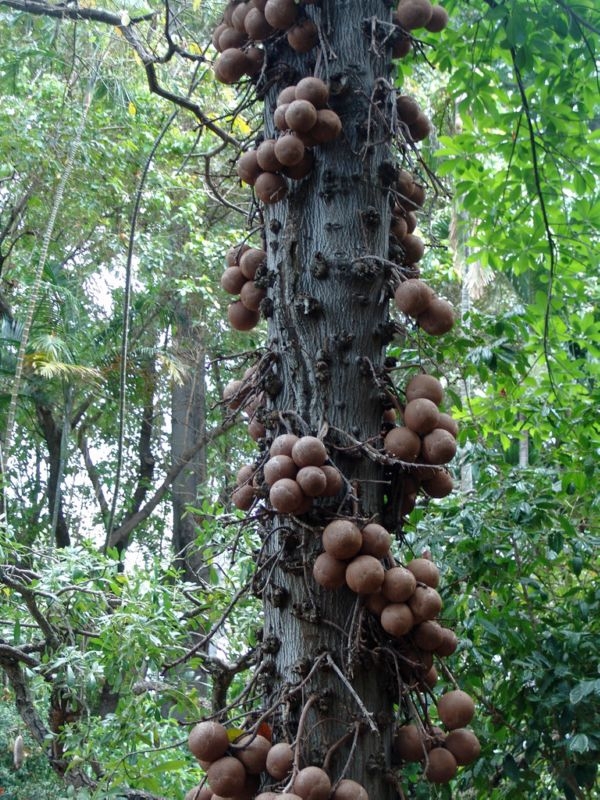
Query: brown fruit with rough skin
x=448, y=423
x=438, y=317
x=238, y=15
x=376, y=540
x=256, y=25
x=327, y=127
x=401, y=45
x=233, y=255
x=309, y=452
x=230, y=66
x=439, y=485
x=252, y=751
x=421, y=416
x=417, y=198
x=421, y=128
x=256, y=430
x=241, y=318
x=426, y=386
x=252, y=295
x=441, y=766
x=397, y=619
x=226, y=776
x=425, y=571
x=244, y=475
x=413, y=248
x=413, y=297
x=314, y=90
x=280, y=759
x=431, y=677
x=349, y=790
x=281, y=13
x=232, y=280
x=289, y=150
x=365, y=574
x=408, y=108
x=208, y=741
x=390, y=415
x=428, y=635
x=413, y=14
x=243, y=496
x=266, y=157
x=409, y=743
x=256, y=59
x=286, y=96
x=312, y=783
x=279, y=117
x=278, y=467
x=217, y=33
x=405, y=184
x=199, y=793
x=282, y=445
x=438, y=20
x=375, y=603
x=402, y=443
x=329, y=572
x=303, y=36
x=425, y=603
x=312, y=481
x=302, y=168
x=286, y=496
x=251, y=260
x=398, y=584
x=448, y=644
x=300, y=116
x=398, y=227
x=455, y=709
x=438, y=447
x=270, y=188
x=335, y=482
x=342, y=539
x=248, y=168
x=233, y=396
x=464, y=746
x=411, y=221
x=230, y=39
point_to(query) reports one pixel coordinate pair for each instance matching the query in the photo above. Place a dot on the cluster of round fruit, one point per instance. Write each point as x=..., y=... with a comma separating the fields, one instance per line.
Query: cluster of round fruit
x=413, y=14
x=234, y=768
x=296, y=473
x=415, y=121
x=443, y=752
x=243, y=394
x=418, y=300
x=428, y=435
x=241, y=264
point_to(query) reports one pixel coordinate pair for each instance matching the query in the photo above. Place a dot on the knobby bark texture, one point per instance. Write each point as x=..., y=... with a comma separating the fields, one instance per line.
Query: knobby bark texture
x=328, y=326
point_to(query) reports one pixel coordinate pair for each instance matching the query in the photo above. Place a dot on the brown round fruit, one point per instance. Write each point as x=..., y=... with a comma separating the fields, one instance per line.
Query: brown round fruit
x=448, y=424
x=256, y=25
x=244, y=475
x=208, y=741
x=256, y=430
x=349, y=790
x=375, y=603
x=335, y=482
x=226, y=776
x=408, y=108
x=233, y=255
x=270, y=188
x=312, y=783
x=421, y=416
x=439, y=485
x=428, y=635
x=441, y=766
x=286, y=496
x=413, y=14
x=252, y=295
x=402, y=443
x=243, y=497
x=327, y=127
x=413, y=297
x=425, y=603
x=398, y=584
x=232, y=280
x=314, y=90
x=278, y=467
x=439, y=446
x=376, y=540
x=426, y=386
x=256, y=59
x=286, y=96
x=216, y=34
x=342, y=539
x=455, y=709
x=464, y=746
x=413, y=248
x=425, y=571
x=301, y=115
x=280, y=760
x=229, y=38
x=365, y=574
x=329, y=572
x=448, y=644
x=266, y=157
x=397, y=619
x=248, y=168
x=281, y=13
x=252, y=751
x=309, y=452
x=303, y=36
x=233, y=397
x=438, y=20
x=199, y=792
x=312, y=481
x=230, y=65
x=279, y=117
x=289, y=150
x=282, y=445
x=409, y=743
x=302, y=168
x=421, y=128
x=241, y=318
x=251, y=260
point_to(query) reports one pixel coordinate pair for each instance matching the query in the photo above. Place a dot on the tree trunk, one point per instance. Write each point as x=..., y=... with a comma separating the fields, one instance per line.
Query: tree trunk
x=328, y=327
